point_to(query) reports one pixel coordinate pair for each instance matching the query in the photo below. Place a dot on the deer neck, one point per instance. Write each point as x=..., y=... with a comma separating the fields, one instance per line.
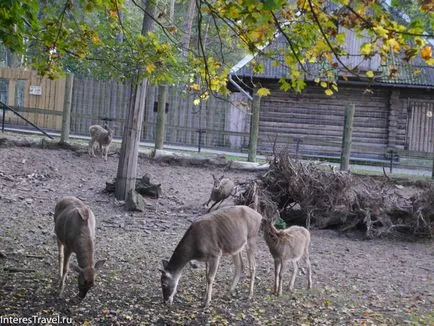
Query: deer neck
x=85, y=252
x=183, y=253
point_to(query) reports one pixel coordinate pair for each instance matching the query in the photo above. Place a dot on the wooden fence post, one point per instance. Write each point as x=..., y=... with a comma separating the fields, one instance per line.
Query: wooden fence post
x=66, y=118
x=254, y=128
x=161, y=118
x=347, y=136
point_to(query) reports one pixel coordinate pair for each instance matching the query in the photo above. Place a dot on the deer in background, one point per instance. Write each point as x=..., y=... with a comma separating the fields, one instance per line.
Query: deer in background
x=102, y=137
x=287, y=245
x=222, y=189
x=223, y=232
x=74, y=225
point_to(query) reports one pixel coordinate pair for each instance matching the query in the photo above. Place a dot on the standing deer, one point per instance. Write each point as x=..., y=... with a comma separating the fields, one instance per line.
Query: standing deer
x=222, y=189
x=101, y=137
x=223, y=232
x=291, y=244
x=75, y=231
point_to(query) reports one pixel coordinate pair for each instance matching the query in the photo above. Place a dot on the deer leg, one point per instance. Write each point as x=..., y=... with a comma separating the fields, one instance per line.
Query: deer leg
x=294, y=274
x=281, y=273
x=251, y=248
x=213, y=264
x=61, y=257
x=309, y=270
x=277, y=266
x=209, y=209
x=237, y=272
x=90, y=150
x=106, y=151
x=67, y=253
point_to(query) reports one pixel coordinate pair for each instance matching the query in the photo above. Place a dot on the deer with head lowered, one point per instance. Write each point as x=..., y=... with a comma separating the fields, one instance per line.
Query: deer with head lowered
x=222, y=189
x=287, y=245
x=75, y=230
x=223, y=232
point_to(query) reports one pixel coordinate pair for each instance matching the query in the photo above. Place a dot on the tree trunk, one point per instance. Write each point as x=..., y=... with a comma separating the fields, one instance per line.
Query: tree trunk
x=188, y=26
x=127, y=167
x=254, y=128
x=347, y=137
x=161, y=117
x=66, y=118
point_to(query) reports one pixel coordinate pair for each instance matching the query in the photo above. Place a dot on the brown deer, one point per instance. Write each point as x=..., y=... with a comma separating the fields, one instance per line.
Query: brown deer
x=102, y=137
x=223, y=232
x=222, y=189
x=291, y=244
x=75, y=231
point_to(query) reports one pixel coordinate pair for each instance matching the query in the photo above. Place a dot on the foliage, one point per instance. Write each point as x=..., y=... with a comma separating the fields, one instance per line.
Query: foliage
x=104, y=37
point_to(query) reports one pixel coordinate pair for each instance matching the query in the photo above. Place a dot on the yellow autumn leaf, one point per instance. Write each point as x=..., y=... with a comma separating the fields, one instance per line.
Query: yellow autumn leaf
x=370, y=74
x=86, y=323
x=195, y=87
x=426, y=52
x=196, y=102
x=323, y=84
x=367, y=48
x=328, y=92
x=96, y=40
x=316, y=80
x=394, y=44
x=381, y=31
x=263, y=91
x=150, y=68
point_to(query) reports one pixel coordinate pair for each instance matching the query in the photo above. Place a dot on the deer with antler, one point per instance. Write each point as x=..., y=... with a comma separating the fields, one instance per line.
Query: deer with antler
x=223, y=232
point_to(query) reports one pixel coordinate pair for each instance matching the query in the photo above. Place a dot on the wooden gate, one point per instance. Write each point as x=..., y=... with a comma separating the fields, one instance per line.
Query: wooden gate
x=38, y=99
x=420, y=129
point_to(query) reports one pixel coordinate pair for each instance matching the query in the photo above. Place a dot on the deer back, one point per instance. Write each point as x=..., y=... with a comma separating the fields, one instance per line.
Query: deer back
x=74, y=224
x=289, y=243
x=223, y=231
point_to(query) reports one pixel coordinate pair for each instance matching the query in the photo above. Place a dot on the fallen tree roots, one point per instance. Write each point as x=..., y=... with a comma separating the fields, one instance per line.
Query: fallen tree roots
x=310, y=194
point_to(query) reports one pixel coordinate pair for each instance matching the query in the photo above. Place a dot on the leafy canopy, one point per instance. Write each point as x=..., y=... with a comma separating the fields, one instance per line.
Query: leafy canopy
x=81, y=34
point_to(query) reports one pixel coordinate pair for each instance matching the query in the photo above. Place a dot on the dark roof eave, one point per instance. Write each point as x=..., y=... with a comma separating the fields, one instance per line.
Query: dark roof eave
x=357, y=82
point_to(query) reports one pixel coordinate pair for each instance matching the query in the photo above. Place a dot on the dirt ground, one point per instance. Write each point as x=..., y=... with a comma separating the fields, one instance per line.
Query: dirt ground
x=355, y=282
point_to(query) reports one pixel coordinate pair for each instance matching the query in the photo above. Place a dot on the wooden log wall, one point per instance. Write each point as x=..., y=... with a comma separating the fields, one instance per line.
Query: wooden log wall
x=44, y=110
x=317, y=120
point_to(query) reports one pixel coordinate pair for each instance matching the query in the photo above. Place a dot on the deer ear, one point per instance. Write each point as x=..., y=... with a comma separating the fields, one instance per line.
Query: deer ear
x=165, y=263
x=99, y=264
x=213, y=176
x=84, y=213
x=76, y=268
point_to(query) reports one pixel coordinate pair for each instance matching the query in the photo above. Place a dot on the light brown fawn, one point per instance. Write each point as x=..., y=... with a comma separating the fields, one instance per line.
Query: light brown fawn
x=287, y=245
x=75, y=231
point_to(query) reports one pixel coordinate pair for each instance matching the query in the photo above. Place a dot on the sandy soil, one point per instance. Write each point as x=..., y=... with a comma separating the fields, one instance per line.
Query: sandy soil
x=356, y=282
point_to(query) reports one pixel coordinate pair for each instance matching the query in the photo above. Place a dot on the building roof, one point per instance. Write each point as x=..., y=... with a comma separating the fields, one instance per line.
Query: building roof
x=395, y=72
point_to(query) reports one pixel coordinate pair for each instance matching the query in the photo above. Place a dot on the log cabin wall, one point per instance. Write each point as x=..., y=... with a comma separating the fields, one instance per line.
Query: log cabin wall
x=316, y=120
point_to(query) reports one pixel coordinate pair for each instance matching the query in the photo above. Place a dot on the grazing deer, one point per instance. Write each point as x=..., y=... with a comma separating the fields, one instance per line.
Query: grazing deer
x=290, y=244
x=223, y=232
x=222, y=189
x=75, y=231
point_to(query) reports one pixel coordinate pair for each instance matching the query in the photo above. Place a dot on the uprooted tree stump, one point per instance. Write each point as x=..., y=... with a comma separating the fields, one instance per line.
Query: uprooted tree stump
x=318, y=196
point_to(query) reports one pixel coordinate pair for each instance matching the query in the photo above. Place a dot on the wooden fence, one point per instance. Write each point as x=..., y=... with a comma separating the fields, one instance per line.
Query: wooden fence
x=38, y=99
x=98, y=101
